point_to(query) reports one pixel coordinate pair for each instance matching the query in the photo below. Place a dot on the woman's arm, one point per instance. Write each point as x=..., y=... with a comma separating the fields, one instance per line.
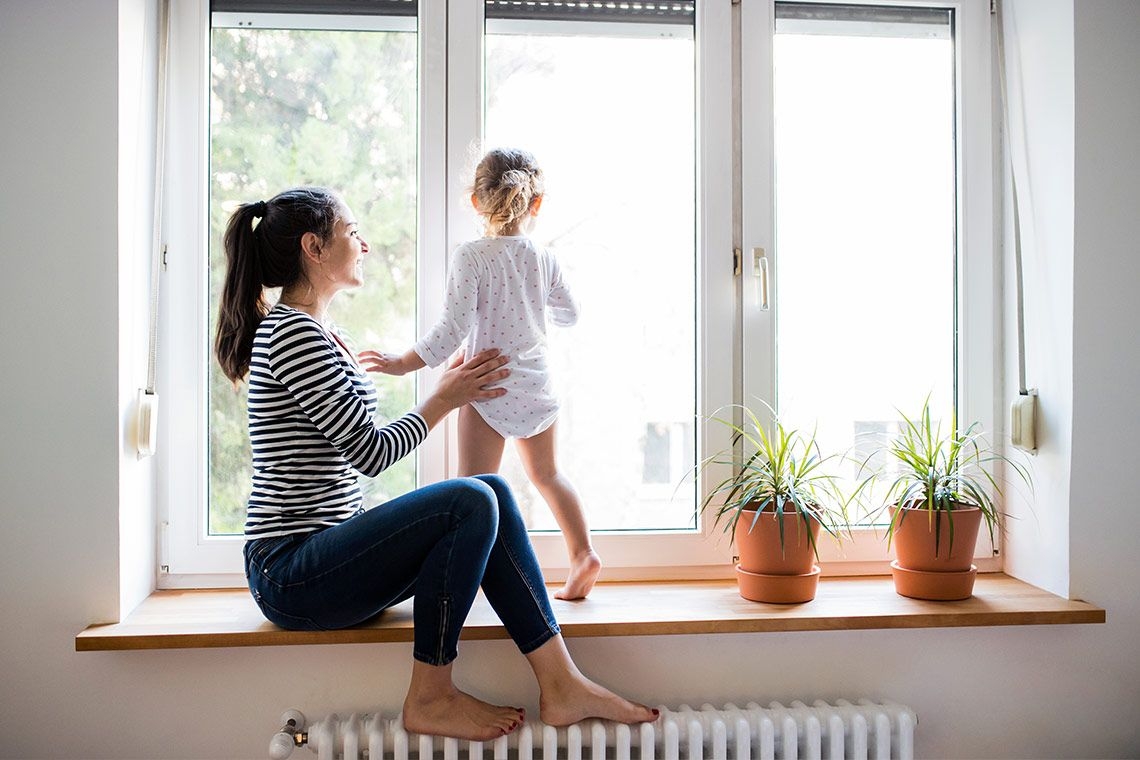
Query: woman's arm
x=463, y=382
x=301, y=356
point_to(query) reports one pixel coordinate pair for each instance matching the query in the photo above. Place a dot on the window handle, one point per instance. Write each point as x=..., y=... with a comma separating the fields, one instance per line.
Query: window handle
x=760, y=272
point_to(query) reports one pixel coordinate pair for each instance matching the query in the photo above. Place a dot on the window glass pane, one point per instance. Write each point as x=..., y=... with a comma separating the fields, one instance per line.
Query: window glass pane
x=609, y=116
x=336, y=108
x=865, y=221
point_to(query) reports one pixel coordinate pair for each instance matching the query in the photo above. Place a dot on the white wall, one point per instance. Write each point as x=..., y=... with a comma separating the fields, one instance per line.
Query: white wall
x=1106, y=348
x=1040, y=63
x=1063, y=691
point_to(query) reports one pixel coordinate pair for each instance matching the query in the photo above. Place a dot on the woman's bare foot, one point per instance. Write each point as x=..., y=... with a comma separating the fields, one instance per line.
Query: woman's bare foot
x=435, y=706
x=580, y=698
x=584, y=569
x=462, y=716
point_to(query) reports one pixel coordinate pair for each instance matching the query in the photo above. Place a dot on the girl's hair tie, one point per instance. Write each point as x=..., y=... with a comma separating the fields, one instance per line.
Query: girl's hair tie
x=259, y=209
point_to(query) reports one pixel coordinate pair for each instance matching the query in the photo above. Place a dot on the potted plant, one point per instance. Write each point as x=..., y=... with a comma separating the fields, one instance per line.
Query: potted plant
x=937, y=502
x=775, y=500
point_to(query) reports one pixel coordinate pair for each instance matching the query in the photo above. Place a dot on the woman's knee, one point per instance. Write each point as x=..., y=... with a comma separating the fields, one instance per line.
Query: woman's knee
x=510, y=518
x=504, y=496
x=496, y=483
x=477, y=498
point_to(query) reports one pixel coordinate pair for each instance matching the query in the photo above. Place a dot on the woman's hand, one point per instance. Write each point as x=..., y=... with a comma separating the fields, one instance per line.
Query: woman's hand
x=389, y=364
x=463, y=382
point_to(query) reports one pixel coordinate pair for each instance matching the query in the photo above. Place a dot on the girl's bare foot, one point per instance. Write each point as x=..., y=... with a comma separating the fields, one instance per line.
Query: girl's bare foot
x=584, y=569
x=580, y=698
x=460, y=715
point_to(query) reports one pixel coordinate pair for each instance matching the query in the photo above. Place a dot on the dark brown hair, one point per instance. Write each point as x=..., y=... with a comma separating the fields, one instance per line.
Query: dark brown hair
x=265, y=255
x=507, y=181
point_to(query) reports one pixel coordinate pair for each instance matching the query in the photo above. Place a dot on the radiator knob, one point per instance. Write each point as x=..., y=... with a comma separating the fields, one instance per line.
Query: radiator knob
x=280, y=746
x=294, y=716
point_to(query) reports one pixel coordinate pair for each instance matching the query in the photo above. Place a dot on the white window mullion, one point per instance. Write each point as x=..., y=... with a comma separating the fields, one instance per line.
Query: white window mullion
x=717, y=283
x=757, y=261
x=432, y=463
x=979, y=378
x=464, y=115
x=464, y=125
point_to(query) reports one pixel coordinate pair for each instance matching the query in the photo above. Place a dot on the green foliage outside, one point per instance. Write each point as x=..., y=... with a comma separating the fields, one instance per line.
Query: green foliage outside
x=336, y=109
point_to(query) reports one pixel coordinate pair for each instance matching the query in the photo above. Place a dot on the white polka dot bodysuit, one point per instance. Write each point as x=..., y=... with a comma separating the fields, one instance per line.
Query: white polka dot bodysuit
x=499, y=293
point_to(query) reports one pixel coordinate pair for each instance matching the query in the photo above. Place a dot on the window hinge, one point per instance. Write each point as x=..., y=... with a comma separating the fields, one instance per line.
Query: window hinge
x=164, y=547
x=993, y=7
x=736, y=254
x=164, y=258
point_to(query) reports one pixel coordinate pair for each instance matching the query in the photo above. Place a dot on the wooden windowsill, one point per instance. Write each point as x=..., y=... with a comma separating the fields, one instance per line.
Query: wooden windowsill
x=229, y=618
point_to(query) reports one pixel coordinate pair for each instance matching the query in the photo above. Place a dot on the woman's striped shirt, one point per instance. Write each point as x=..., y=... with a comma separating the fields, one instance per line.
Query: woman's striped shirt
x=311, y=427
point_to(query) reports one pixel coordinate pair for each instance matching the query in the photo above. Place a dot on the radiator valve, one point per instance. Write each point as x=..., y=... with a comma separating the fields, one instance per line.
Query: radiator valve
x=292, y=734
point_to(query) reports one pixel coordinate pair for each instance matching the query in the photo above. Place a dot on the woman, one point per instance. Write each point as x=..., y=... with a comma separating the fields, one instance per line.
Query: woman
x=314, y=558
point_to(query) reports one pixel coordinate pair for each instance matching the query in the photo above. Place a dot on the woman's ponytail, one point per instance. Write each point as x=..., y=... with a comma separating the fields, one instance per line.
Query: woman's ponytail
x=242, y=305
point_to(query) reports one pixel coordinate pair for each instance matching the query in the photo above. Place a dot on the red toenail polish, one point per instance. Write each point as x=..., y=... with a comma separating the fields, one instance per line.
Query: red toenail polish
x=656, y=712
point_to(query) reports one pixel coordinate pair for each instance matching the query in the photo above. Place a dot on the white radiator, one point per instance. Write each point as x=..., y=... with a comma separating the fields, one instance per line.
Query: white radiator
x=840, y=731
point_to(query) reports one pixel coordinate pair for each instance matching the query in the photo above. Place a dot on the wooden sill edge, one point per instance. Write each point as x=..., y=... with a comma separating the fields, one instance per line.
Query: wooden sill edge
x=202, y=618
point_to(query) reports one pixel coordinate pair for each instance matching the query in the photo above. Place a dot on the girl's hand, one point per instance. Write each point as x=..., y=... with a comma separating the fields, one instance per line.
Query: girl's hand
x=389, y=364
x=463, y=382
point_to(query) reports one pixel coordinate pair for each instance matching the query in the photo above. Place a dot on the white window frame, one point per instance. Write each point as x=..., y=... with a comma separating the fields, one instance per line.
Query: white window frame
x=451, y=76
x=866, y=552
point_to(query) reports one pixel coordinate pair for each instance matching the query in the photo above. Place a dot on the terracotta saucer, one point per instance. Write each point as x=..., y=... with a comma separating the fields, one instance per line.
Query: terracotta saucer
x=778, y=589
x=936, y=586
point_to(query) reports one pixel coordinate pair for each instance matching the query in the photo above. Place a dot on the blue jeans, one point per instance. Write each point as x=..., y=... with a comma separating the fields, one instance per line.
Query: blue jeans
x=439, y=544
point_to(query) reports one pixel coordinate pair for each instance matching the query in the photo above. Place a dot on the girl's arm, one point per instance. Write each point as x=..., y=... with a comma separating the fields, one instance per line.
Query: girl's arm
x=460, y=302
x=391, y=364
x=560, y=304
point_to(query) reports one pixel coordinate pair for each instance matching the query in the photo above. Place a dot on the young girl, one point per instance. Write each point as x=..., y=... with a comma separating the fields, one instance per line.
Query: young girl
x=499, y=290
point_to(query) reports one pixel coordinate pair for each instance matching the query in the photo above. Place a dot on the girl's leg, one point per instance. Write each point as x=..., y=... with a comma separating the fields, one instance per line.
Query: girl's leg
x=514, y=586
x=480, y=447
x=538, y=457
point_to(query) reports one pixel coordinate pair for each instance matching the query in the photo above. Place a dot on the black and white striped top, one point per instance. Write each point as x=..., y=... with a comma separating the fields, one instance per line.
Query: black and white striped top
x=311, y=426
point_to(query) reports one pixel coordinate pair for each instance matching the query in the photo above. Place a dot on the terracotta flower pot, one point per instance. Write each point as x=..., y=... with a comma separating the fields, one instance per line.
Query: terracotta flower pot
x=917, y=532
x=760, y=549
x=934, y=563
x=771, y=571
